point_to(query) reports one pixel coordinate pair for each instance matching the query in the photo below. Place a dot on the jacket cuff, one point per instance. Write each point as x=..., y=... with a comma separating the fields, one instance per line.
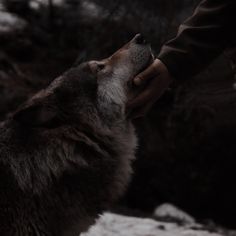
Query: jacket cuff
x=173, y=63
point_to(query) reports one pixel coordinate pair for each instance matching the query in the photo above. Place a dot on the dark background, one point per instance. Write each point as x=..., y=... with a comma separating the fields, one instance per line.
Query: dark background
x=187, y=147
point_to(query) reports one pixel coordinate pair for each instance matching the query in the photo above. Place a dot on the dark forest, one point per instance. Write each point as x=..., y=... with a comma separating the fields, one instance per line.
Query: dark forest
x=186, y=152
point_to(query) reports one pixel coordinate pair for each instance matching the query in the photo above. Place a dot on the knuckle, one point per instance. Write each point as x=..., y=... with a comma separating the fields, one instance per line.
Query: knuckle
x=138, y=80
x=143, y=76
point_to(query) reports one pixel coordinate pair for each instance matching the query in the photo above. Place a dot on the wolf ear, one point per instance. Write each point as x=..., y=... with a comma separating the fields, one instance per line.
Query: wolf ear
x=37, y=116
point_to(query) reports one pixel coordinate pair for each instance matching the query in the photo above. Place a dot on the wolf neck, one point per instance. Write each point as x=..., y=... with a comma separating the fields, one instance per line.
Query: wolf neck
x=108, y=126
x=111, y=101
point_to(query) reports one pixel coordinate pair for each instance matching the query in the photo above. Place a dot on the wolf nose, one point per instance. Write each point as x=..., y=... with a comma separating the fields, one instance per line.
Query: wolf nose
x=139, y=39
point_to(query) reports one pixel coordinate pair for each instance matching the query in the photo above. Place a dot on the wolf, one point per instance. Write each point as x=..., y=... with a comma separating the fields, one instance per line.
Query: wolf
x=65, y=155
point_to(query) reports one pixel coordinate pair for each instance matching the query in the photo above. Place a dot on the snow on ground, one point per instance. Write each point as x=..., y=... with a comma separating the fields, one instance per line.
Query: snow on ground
x=117, y=225
x=168, y=211
x=111, y=224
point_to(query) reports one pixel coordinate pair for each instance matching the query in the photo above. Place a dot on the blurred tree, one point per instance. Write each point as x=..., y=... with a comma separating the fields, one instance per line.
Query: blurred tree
x=20, y=7
x=184, y=139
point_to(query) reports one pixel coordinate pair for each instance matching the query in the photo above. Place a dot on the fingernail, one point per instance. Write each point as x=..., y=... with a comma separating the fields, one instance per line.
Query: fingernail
x=137, y=81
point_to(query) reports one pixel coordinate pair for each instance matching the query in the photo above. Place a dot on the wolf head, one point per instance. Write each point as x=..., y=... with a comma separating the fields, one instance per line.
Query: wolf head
x=114, y=72
x=95, y=87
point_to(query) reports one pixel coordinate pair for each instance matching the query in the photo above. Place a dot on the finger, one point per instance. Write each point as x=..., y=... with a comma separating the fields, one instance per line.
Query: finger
x=140, y=111
x=153, y=90
x=141, y=99
x=146, y=75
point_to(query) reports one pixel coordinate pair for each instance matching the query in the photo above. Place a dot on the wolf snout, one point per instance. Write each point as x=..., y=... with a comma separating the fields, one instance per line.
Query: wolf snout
x=140, y=39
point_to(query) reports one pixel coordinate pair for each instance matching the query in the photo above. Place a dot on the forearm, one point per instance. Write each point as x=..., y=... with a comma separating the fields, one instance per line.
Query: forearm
x=200, y=39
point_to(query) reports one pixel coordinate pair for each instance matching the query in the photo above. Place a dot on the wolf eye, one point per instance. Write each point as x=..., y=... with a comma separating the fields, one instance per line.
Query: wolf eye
x=100, y=67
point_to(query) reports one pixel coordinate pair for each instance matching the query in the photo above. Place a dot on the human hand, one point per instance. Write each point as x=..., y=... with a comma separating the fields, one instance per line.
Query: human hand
x=154, y=80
